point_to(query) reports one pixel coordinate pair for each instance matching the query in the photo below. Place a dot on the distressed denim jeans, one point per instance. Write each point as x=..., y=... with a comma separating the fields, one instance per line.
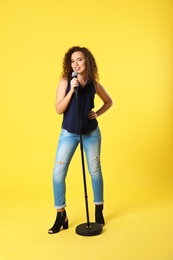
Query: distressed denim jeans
x=67, y=145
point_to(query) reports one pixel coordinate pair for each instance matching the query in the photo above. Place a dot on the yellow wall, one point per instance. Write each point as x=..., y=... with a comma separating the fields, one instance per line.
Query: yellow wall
x=132, y=42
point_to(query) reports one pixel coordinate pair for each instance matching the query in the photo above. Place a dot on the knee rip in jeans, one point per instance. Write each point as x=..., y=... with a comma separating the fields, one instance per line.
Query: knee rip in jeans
x=59, y=162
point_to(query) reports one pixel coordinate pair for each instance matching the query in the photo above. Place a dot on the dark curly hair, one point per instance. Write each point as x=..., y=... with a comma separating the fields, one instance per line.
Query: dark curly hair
x=91, y=65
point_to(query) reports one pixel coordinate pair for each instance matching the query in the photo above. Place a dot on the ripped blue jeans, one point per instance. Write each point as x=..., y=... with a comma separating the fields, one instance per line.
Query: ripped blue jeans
x=67, y=145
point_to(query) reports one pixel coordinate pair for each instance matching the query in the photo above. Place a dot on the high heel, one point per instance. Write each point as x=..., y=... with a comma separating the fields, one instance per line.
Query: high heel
x=60, y=221
x=99, y=215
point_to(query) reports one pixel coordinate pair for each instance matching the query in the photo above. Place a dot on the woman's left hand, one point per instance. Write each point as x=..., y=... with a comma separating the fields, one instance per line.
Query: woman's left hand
x=92, y=115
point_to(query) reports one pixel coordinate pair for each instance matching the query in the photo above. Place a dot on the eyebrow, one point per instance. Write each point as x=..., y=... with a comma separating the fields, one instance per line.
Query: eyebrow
x=77, y=58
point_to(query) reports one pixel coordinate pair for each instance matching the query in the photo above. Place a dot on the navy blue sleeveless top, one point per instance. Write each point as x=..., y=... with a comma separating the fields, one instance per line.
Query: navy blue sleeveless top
x=85, y=101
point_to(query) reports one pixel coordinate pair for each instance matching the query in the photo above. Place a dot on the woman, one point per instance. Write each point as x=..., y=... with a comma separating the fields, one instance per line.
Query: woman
x=78, y=117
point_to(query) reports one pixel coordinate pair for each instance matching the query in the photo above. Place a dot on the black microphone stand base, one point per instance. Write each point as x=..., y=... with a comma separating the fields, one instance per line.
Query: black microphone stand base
x=93, y=229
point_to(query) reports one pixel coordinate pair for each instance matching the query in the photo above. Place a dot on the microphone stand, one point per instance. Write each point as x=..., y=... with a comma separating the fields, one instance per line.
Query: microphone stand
x=89, y=228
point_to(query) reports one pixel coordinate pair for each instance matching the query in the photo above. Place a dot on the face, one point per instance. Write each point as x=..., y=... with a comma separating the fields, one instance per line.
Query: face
x=78, y=62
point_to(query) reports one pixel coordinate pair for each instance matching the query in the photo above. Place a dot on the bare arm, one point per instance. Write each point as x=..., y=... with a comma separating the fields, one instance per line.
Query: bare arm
x=107, y=102
x=63, y=100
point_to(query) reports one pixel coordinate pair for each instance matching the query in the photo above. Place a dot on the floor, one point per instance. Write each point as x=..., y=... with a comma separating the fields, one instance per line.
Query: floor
x=135, y=229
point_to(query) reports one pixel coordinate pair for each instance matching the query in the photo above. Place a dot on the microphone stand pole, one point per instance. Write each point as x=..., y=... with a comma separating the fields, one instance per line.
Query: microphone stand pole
x=89, y=228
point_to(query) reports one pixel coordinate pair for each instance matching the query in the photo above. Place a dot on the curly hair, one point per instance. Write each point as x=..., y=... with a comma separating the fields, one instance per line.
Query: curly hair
x=91, y=66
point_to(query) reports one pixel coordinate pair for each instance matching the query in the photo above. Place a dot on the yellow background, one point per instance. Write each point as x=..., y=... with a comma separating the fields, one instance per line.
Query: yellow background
x=132, y=43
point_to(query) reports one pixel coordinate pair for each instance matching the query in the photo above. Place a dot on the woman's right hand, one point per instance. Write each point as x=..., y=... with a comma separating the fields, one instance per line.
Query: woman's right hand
x=73, y=83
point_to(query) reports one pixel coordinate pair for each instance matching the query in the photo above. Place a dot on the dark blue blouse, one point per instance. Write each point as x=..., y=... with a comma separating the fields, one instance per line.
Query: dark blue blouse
x=85, y=103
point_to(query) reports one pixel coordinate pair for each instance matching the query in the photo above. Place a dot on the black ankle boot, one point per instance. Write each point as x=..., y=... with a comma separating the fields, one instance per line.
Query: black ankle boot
x=61, y=220
x=99, y=215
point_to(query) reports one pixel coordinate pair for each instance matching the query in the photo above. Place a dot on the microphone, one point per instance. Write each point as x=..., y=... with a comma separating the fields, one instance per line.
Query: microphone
x=74, y=75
